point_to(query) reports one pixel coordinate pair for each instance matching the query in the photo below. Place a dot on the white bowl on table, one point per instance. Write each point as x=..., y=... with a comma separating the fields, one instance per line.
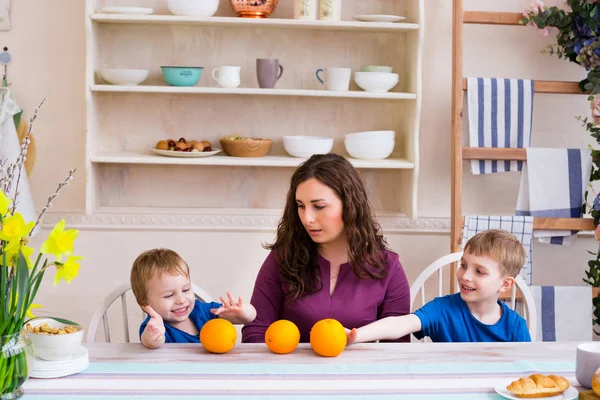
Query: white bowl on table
x=306, y=146
x=193, y=8
x=376, y=82
x=372, y=135
x=54, y=347
x=369, y=149
x=126, y=77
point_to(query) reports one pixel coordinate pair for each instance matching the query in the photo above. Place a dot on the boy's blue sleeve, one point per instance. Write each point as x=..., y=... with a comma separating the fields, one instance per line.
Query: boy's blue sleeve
x=143, y=326
x=430, y=316
x=522, y=333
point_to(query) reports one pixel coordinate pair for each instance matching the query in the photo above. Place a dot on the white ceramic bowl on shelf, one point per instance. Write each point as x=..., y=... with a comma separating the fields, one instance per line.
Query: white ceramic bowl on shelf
x=126, y=77
x=372, y=135
x=369, y=149
x=376, y=82
x=193, y=8
x=306, y=146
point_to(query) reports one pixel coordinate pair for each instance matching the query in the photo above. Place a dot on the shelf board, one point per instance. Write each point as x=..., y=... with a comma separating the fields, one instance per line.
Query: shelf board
x=252, y=22
x=252, y=91
x=267, y=161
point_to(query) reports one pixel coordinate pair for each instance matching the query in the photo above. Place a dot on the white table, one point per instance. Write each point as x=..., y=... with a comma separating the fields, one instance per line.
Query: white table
x=250, y=371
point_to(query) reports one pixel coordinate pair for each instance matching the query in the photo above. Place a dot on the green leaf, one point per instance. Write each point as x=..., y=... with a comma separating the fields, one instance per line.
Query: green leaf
x=22, y=286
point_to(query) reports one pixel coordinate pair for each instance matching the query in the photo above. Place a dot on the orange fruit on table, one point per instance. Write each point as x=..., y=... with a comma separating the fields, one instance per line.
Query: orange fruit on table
x=218, y=336
x=328, y=338
x=282, y=337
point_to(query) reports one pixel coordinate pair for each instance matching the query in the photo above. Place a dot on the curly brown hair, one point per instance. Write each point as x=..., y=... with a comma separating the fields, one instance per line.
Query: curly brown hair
x=296, y=252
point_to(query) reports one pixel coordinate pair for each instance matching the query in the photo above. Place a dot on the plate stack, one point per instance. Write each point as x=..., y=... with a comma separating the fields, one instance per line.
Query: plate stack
x=57, y=369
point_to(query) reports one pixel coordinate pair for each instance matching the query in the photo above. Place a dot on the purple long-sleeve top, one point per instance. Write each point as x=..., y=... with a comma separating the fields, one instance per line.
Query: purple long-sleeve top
x=355, y=302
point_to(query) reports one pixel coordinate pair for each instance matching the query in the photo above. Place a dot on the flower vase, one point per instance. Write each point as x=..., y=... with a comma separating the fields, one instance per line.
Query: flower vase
x=16, y=353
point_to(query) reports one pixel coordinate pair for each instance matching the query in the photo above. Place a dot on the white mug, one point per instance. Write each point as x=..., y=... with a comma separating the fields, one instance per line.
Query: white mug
x=227, y=76
x=337, y=79
x=587, y=361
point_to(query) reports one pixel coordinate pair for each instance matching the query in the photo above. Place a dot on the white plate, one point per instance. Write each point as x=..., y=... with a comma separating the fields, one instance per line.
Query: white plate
x=186, y=154
x=570, y=394
x=379, y=18
x=57, y=369
x=127, y=10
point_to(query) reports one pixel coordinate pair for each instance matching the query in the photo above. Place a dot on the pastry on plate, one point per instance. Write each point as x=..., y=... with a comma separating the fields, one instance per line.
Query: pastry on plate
x=538, y=385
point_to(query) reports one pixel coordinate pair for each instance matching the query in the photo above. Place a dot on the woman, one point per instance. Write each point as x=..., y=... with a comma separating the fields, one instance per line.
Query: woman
x=329, y=259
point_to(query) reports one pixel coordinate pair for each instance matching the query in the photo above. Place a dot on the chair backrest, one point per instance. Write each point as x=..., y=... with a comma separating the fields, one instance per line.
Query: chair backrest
x=100, y=314
x=529, y=309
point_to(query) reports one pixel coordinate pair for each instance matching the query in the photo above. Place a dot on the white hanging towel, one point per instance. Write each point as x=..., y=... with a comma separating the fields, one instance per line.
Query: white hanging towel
x=9, y=150
x=553, y=183
x=521, y=227
x=564, y=313
x=500, y=115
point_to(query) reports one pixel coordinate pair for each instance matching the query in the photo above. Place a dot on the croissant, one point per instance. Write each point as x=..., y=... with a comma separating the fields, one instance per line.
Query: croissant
x=538, y=385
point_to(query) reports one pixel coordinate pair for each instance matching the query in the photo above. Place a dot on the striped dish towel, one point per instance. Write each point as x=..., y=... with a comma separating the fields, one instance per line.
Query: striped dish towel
x=553, y=184
x=521, y=227
x=500, y=115
x=564, y=313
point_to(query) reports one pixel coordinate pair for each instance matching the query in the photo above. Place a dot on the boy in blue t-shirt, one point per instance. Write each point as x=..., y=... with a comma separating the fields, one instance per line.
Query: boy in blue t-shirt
x=160, y=281
x=490, y=263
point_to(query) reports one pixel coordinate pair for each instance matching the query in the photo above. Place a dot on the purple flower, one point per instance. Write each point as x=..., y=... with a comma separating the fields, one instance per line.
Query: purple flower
x=580, y=29
x=597, y=204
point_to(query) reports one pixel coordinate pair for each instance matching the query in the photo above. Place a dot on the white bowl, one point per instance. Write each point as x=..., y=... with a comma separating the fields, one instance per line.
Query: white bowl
x=53, y=347
x=306, y=146
x=376, y=82
x=373, y=135
x=193, y=8
x=127, y=77
x=366, y=149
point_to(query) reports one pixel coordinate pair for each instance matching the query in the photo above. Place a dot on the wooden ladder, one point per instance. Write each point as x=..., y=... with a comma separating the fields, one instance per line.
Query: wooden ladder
x=460, y=153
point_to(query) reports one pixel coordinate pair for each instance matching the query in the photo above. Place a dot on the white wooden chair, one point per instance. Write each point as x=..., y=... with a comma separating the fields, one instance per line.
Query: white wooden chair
x=529, y=307
x=100, y=314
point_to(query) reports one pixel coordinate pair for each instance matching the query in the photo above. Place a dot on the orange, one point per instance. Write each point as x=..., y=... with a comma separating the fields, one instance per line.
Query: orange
x=218, y=336
x=282, y=337
x=328, y=338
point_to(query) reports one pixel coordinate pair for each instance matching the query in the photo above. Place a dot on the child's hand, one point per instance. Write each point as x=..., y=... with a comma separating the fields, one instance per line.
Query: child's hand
x=155, y=327
x=351, y=336
x=230, y=308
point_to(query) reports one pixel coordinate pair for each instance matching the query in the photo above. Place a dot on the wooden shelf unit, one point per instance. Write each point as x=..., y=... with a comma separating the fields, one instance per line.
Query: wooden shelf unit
x=123, y=122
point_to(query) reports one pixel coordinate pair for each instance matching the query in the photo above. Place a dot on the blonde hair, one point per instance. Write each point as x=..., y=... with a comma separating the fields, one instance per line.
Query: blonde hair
x=501, y=246
x=151, y=262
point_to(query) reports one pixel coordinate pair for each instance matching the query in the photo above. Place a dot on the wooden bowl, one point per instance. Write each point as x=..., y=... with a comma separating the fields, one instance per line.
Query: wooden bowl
x=247, y=147
x=253, y=8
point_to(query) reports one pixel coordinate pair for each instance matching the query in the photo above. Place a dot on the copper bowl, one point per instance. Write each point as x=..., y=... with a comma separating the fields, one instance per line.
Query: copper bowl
x=253, y=8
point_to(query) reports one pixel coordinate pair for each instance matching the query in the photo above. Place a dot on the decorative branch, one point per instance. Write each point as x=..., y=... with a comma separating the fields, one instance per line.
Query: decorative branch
x=48, y=205
x=22, y=155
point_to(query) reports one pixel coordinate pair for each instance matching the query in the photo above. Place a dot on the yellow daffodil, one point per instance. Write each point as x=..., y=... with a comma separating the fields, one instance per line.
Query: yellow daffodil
x=4, y=204
x=68, y=270
x=12, y=251
x=29, y=313
x=60, y=242
x=15, y=228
